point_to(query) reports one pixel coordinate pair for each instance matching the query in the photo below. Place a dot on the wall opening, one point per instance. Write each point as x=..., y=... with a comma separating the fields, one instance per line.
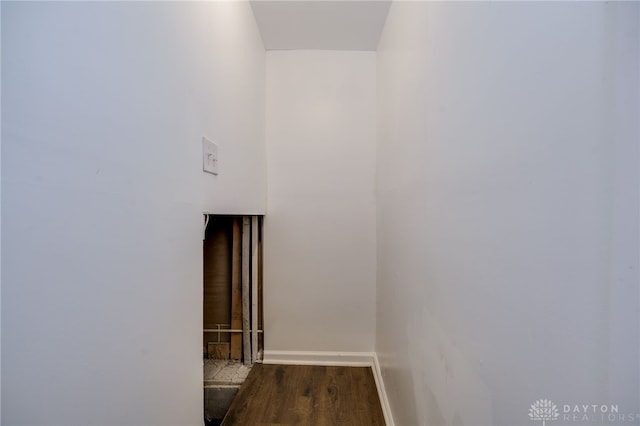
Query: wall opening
x=232, y=336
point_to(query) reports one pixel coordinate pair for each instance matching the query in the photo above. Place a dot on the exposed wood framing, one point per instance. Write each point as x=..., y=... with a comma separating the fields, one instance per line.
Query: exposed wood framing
x=254, y=288
x=236, y=289
x=218, y=350
x=217, y=248
x=260, y=292
x=246, y=279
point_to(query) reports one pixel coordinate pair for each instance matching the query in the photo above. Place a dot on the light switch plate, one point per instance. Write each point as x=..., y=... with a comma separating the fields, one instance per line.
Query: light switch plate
x=209, y=156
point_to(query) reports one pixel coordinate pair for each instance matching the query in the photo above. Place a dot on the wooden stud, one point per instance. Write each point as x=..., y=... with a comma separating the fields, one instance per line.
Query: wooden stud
x=260, y=287
x=236, y=289
x=246, y=243
x=254, y=288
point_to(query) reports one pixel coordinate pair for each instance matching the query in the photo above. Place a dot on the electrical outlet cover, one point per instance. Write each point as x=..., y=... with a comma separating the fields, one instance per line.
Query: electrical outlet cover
x=209, y=156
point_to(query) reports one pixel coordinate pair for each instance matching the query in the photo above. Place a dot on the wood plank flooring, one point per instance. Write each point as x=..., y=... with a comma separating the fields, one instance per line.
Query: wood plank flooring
x=306, y=395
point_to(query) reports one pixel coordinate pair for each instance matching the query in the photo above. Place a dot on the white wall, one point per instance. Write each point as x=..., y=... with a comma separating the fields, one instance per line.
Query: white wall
x=624, y=382
x=319, y=230
x=507, y=209
x=0, y=214
x=104, y=108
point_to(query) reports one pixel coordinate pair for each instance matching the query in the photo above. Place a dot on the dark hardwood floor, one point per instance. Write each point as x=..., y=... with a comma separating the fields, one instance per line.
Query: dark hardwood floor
x=306, y=395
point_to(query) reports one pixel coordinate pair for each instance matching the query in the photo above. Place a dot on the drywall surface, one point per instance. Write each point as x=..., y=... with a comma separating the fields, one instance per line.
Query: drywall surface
x=319, y=231
x=507, y=210
x=103, y=109
x=320, y=25
x=0, y=214
x=623, y=382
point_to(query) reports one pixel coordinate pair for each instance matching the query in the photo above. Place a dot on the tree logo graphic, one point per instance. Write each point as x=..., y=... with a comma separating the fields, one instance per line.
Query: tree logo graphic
x=543, y=409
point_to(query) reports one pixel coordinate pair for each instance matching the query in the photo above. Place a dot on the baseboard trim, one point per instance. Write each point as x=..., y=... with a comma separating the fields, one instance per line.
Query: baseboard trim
x=382, y=393
x=346, y=359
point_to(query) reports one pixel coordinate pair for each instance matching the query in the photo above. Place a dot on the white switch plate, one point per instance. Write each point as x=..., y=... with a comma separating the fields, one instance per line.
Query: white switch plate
x=209, y=156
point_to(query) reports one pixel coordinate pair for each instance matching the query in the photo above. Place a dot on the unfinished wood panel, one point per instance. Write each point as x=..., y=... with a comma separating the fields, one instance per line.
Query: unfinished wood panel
x=236, y=289
x=217, y=278
x=308, y=395
x=246, y=280
x=218, y=350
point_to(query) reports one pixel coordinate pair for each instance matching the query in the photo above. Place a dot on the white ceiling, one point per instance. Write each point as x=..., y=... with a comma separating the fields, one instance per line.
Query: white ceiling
x=326, y=25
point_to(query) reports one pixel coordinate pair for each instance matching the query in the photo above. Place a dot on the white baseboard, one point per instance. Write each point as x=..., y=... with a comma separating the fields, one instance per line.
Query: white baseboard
x=382, y=393
x=348, y=359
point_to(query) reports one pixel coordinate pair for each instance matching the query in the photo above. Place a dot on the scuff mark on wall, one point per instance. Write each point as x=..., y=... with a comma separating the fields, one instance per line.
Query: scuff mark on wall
x=448, y=390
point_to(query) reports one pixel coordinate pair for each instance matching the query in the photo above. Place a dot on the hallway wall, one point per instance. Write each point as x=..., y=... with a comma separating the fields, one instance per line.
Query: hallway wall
x=505, y=213
x=319, y=231
x=104, y=106
x=507, y=209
